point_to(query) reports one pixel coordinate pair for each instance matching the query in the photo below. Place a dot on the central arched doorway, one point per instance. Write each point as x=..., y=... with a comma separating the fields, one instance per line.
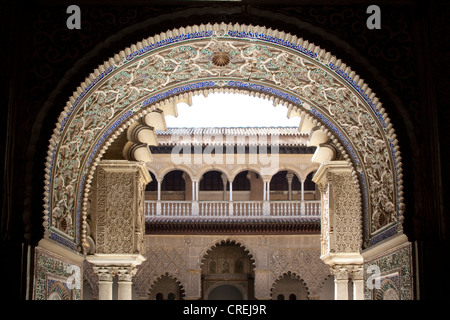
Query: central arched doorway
x=227, y=273
x=225, y=292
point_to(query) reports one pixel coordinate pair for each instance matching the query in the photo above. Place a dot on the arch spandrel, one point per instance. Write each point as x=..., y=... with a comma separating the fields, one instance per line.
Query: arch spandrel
x=268, y=63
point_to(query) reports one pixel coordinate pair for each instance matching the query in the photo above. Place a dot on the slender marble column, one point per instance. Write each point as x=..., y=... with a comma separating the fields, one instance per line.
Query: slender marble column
x=358, y=282
x=159, y=190
x=266, y=203
x=303, y=190
x=264, y=191
x=158, y=202
x=125, y=275
x=231, y=190
x=224, y=183
x=289, y=177
x=230, y=207
x=302, y=204
x=340, y=282
x=195, y=206
x=105, y=282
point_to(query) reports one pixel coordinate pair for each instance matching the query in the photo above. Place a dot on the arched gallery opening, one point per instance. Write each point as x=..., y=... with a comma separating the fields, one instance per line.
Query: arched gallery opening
x=135, y=208
x=318, y=176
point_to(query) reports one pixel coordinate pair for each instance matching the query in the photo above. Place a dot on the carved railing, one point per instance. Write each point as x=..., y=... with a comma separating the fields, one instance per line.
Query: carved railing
x=248, y=208
x=232, y=208
x=213, y=208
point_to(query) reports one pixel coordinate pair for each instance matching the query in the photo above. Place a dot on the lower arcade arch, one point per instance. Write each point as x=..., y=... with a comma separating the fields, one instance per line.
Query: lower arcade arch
x=166, y=287
x=289, y=286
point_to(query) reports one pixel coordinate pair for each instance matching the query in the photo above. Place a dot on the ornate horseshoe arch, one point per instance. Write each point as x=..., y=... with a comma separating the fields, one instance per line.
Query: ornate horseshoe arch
x=225, y=58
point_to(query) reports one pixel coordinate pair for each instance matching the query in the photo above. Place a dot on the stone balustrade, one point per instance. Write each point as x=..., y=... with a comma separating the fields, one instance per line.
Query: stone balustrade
x=308, y=208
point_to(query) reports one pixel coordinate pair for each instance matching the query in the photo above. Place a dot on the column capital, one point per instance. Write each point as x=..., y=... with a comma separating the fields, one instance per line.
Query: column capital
x=126, y=273
x=105, y=273
x=357, y=272
x=267, y=179
x=340, y=272
x=290, y=175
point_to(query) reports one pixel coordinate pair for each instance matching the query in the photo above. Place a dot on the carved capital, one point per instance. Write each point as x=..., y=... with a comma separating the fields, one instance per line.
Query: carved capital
x=126, y=273
x=105, y=273
x=340, y=272
x=357, y=272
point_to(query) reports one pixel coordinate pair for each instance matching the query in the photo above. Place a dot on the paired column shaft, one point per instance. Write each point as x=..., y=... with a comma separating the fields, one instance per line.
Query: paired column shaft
x=106, y=277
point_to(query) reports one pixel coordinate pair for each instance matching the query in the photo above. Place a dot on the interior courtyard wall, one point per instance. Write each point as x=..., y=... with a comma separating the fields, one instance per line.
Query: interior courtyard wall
x=181, y=257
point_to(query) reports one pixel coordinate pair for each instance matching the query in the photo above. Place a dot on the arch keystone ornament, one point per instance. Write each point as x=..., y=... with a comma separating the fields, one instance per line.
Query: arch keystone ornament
x=149, y=76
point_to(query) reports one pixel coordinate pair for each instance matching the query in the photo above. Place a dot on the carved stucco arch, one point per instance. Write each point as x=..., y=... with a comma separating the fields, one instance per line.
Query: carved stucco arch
x=288, y=273
x=218, y=242
x=308, y=171
x=199, y=174
x=294, y=169
x=246, y=167
x=262, y=62
x=164, y=171
x=154, y=172
x=320, y=287
x=153, y=282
